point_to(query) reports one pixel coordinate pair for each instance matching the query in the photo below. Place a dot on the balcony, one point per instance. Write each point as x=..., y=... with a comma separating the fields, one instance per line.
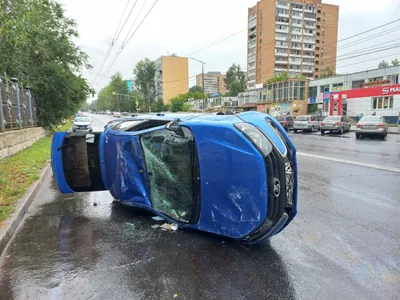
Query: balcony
x=281, y=60
x=281, y=53
x=296, y=47
x=295, y=62
x=308, y=56
x=297, y=9
x=252, y=44
x=307, y=33
x=281, y=46
x=280, y=69
x=294, y=55
x=251, y=58
x=282, y=30
x=283, y=15
x=252, y=33
x=310, y=26
x=307, y=63
x=252, y=23
x=311, y=11
x=296, y=25
x=298, y=17
x=281, y=38
x=308, y=71
x=295, y=70
x=312, y=42
x=283, y=5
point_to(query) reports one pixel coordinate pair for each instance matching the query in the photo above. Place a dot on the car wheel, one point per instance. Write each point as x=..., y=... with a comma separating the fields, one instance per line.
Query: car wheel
x=312, y=129
x=361, y=137
x=383, y=137
x=322, y=132
x=295, y=130
x=357, y=136
x=341, y=130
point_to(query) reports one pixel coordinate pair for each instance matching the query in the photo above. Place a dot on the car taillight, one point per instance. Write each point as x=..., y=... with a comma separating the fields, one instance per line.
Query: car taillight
x=380, y=125
x=337, y=123
x=322, y=124
x=285, y=122
x=110, y=122
x=359, y=126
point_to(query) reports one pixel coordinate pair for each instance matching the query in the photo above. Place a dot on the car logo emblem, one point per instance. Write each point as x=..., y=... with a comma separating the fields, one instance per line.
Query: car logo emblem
x=277, y=187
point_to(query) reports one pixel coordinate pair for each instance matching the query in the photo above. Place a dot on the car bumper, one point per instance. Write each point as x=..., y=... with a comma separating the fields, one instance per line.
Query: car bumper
x=370, y=131
x=308, y=127
x=82, y=130
x=331, y=128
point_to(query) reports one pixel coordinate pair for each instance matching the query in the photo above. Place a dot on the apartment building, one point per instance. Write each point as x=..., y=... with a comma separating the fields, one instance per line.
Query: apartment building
x=171, y=77
x=298, y=37
x=214, y=83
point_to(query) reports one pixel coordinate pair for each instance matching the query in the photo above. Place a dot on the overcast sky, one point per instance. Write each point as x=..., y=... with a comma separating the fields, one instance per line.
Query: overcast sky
x=185, y=26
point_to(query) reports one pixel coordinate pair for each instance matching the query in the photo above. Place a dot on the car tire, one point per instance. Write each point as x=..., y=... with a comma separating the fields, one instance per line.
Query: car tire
x=341, y=130
x=357, y=136
x=383, y=137
x=361, y=137
x=312, y=129
x=295, y=130
x=322, y=132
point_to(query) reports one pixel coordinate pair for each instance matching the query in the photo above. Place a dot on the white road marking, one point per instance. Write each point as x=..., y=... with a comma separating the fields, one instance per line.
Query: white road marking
x=351, y=162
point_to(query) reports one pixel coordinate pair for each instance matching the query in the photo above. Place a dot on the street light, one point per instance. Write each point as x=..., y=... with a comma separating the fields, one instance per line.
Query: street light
x=202, y=75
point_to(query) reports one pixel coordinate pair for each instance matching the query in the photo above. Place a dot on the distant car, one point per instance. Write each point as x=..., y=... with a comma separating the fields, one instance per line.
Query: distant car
x=371, y=126
x=287, y=122
x=108, y=112
x=307, y=123
x=125, y=114
x=117, y=114
x=82, y=124
x=335, y=124
x=232, y=175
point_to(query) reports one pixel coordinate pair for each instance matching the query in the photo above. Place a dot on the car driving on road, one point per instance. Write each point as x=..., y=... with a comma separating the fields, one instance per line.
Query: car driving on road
x=306, y=123
x=339, y=124
x=82, y=124
x=232, y=175
x=371, y=126
x=287, y=122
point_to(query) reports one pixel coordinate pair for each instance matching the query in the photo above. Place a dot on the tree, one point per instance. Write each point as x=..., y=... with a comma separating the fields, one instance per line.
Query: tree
x=158, y=106
x=177, y=103
x=284, y=76
x=328, y=72
x=235, y=74
x=383, y=64
x=195, y=88
x=37, y=46
x=236, y=88
x=395, y=62
x=145, y=71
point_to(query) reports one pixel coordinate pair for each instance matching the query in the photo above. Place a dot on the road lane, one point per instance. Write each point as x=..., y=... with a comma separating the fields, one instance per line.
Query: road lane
x=344, y=244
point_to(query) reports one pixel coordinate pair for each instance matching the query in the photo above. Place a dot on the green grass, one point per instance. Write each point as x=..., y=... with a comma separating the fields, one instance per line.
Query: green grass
x=19, y=171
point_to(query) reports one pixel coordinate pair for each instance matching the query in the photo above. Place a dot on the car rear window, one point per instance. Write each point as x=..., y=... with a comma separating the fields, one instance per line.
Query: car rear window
x=371, y=119
x=332, y=119
x=280, y=118
x=301, y=118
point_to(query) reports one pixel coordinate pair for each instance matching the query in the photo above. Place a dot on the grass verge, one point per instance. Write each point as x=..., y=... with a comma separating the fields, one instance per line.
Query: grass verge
x=19, y=171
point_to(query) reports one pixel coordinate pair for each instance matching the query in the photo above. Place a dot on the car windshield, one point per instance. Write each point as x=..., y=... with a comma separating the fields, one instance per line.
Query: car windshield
x=171, y=165
x=332, y=119
x=280, y=118
x=81, y=120
x=302, y=118
x=371, y=119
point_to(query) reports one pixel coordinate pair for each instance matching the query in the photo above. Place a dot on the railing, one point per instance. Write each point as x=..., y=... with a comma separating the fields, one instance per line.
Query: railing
x=17, y=106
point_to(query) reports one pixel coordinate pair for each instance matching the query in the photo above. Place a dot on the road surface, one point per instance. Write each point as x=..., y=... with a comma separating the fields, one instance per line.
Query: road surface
x=344, y=243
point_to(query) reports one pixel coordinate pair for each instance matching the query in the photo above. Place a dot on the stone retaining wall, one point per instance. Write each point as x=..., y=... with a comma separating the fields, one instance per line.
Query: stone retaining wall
x=12, y=142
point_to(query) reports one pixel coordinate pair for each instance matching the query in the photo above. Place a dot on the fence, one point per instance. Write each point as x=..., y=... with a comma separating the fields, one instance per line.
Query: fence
x=17, y=106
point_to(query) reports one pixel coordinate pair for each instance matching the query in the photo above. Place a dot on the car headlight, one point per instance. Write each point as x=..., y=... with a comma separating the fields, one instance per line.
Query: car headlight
x=256, y=136
x=289, y=175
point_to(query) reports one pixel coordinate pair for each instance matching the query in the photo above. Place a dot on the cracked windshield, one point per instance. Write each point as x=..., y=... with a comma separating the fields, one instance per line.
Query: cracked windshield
x=187, y=149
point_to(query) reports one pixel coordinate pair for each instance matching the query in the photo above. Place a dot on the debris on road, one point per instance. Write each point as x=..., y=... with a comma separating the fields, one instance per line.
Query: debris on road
x=157, y=218
x=155, y=226
x=169, y=227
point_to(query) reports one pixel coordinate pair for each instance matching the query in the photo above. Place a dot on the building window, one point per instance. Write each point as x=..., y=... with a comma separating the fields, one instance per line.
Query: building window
x=394, y=79
x=337, y=87
x=312, y=91
x=323, y=29
x=323, y=14
x=323, y=21
x=324, y=88
x=357, y=84
x=382, y=103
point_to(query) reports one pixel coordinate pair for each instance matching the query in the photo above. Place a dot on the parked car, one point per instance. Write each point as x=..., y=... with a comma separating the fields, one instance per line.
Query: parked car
x=232, y=175
x=108, y=112
x=371, y=126
x=307, y=123
x=116, y=114
x=335, y=124
x=287, y=122
x=125, y=114
x=82, y=124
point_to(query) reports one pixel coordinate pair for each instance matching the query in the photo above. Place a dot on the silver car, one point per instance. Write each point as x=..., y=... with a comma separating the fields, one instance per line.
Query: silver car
x=82, y=124
x=306, y=123
x=335, y=123
x=371, y=126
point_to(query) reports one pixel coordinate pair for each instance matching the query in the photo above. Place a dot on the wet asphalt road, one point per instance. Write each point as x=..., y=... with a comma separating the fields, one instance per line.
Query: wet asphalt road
x=344, y=243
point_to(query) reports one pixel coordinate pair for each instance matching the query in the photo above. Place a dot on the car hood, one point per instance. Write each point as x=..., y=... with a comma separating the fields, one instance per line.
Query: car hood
x=82, y=123
x=232, y=179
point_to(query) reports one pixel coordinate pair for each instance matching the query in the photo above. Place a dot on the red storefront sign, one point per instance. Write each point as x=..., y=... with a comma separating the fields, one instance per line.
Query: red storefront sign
x=372, y=91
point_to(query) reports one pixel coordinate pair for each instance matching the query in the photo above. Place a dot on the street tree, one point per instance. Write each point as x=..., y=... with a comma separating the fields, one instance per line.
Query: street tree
x=395, y=62
x=383, y=64
x=195, y=88
x=145, y=71
x=235, y=74
x=158, y=106
x=328, y=72
x=37, y=46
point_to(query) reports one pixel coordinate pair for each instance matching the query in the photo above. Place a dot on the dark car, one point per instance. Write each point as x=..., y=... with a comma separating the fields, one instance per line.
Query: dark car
x=233, y=175
x=287, y=122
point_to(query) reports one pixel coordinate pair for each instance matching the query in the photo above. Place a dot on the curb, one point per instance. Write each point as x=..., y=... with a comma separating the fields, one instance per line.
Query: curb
x=11, y=224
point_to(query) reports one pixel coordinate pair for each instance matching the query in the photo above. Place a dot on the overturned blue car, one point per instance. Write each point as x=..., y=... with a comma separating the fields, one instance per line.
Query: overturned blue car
x=231, y=175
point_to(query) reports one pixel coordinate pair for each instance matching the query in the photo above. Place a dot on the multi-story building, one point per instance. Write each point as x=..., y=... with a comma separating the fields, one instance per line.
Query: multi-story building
x=298, y=37
x=172, y=77
x=214, y=83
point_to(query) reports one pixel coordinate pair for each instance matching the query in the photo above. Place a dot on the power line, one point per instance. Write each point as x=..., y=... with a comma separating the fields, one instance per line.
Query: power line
x=122, y=27
x=124, y=44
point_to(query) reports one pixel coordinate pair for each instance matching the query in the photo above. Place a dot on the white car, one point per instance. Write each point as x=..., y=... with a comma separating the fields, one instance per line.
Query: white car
x=82, y=124
x=117, y=114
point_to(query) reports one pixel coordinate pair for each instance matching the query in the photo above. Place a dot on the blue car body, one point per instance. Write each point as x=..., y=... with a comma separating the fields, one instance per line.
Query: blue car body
x=232, y=175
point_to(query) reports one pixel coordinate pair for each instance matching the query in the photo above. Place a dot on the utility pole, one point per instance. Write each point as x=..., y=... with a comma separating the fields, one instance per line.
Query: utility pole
x=202, y=75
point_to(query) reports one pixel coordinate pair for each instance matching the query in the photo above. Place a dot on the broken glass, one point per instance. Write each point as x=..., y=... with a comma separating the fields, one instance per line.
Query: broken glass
x=169, y=162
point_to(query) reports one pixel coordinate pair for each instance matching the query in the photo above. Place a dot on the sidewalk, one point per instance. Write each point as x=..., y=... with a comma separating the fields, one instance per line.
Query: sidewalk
x=391, y=130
